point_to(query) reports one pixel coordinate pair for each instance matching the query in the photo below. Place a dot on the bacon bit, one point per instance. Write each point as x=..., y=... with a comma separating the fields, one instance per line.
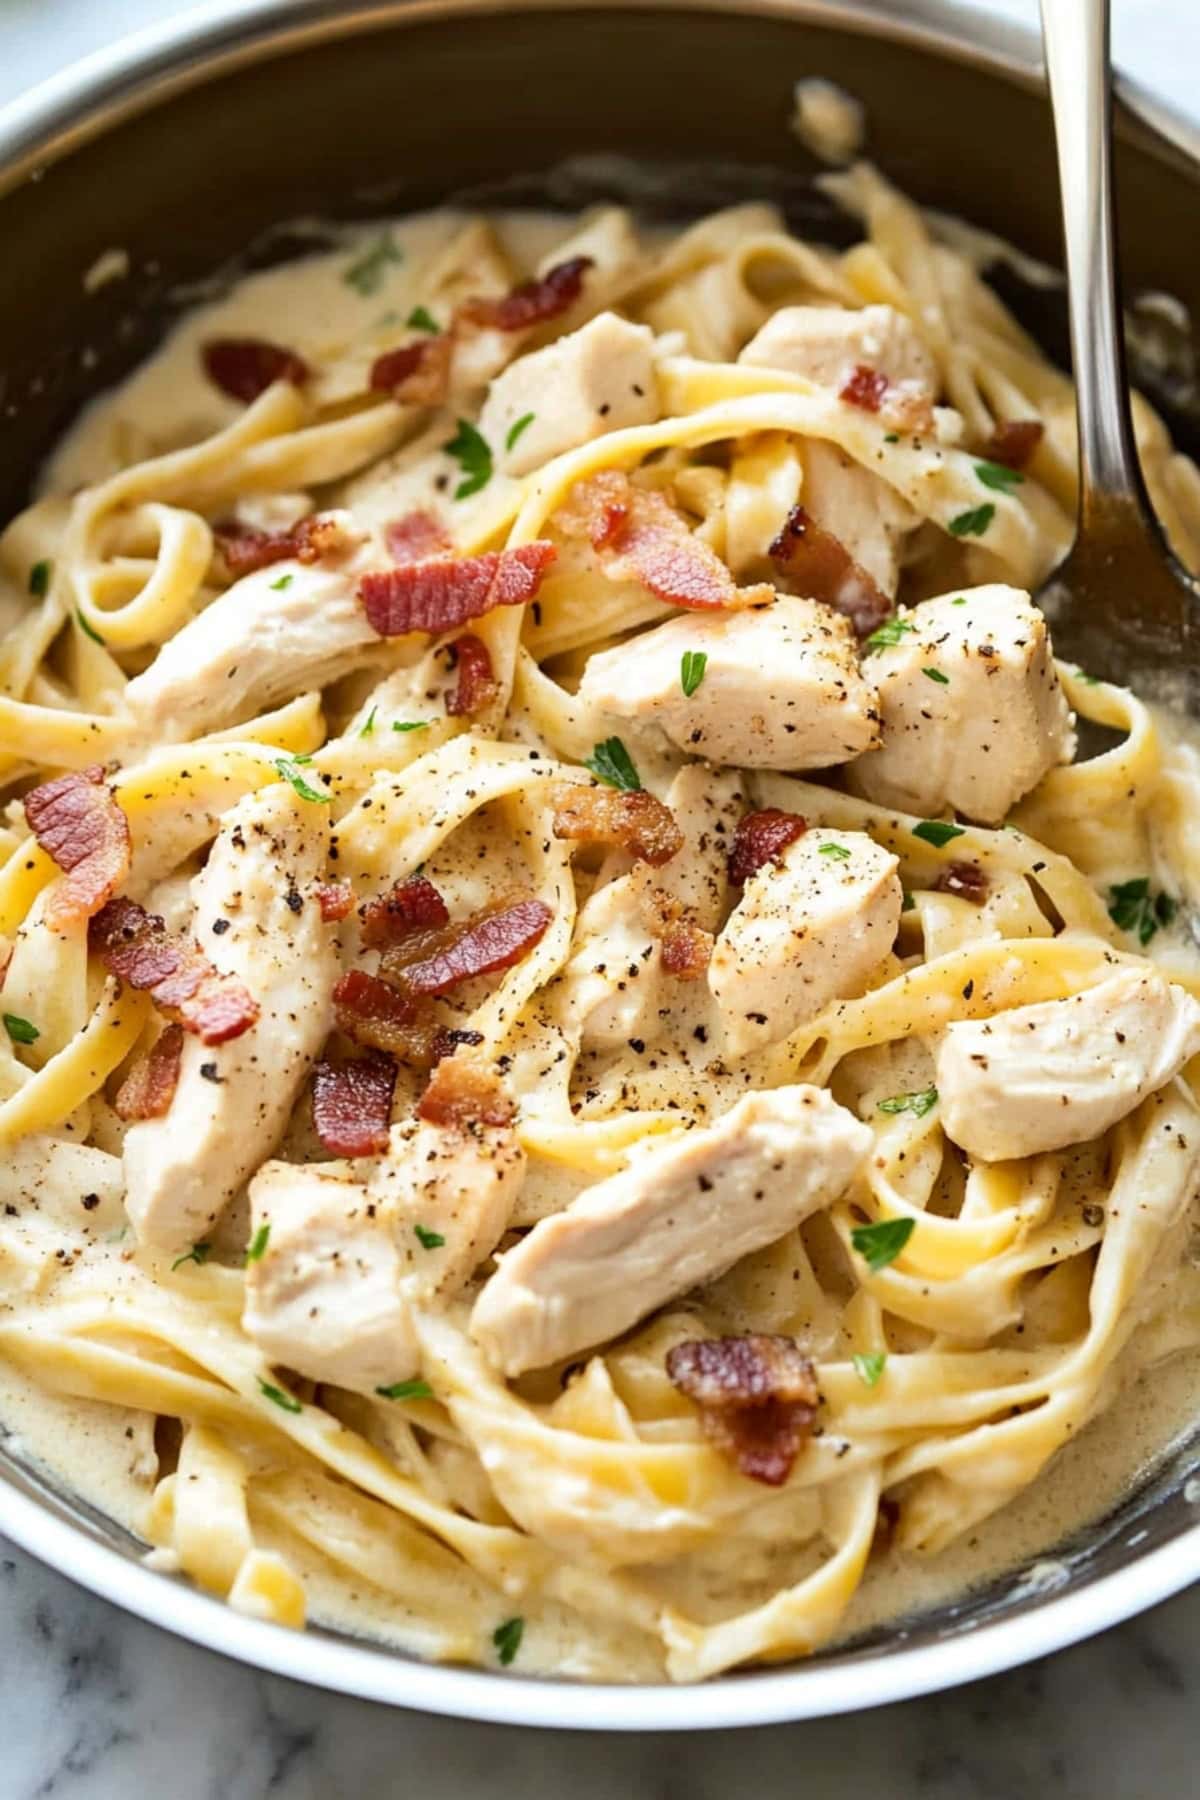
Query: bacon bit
x=761, y=838
x=412, y=905
x=476, y=685
x=443, y=592
x=335, y=899
x=493, y=939
x=417, y=536
x=76, y=820
x=416, y=373
x=757, y=1397
x=464, y=1093
x=445, y=1043
x=966, y=879
x=352, y=1105
x=640, y=537
x=907, y=406
x=244, y=551
x=149, y=1088
x=864, y=387
x=686, y=950
x=818, y=565
x=137, y=948
x=532, y=302
x=1013, y=441
x=379, y=1017
x=635, y=821
x=244, y=368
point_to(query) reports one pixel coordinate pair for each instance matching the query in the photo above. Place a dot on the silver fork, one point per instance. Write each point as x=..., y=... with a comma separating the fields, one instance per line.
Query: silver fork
x=1121, y=604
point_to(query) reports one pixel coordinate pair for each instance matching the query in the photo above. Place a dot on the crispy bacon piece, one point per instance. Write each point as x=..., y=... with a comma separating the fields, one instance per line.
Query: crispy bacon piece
x=640, y=537
x=532, y=302
x=757, y=1397
x=760, y=838
x=818, y=566
x=352, y=1105
x=244, y=368
x=149, y=1088
x=966, y=879
x=379, y=1017
x=76, y=820
x=412, y=905
x=244, y=550
x=904, y=405
x=137, y=948
x=416, y=536
x=864, y=387
x=464, y=1092
x=476, y=685
x=497, y=937
x=685, y=948
x=634, y=821
x=336, y=900
x=443, y=592
x=416, y=373
x=1014, y=441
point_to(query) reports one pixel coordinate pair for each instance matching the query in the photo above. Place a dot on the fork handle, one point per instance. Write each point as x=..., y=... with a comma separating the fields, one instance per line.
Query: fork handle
x=1075, y=35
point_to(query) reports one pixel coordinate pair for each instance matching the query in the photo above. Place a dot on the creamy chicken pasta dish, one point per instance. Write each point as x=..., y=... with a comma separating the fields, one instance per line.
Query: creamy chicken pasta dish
x=588, y=1082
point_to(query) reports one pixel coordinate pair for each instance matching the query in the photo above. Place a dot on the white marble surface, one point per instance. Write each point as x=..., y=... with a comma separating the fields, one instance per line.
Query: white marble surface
x=98, y=1706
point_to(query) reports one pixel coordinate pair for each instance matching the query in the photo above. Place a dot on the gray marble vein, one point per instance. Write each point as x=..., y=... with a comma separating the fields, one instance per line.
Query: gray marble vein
x=98, y=1706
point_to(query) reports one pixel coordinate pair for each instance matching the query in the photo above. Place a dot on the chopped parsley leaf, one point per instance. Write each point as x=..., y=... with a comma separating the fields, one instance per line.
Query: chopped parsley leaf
x=890, y=632
x=421, y=319
x=869, y=1365
x=287, y=767
x=936, y=675
x=906, y=900
x=881, y=1243
x=515, y=431
x=410, y=724
x=406, y=1390
x=368, y=272
x=473, y=454
x=199, y=1253
x=961, y=601
x=1132, y=907
x=937, y=832
x=369, y=726
x=891, y=437
x=428, y=1240
x=87, y=629
x=611, y=763
x=277, y=587
x=919, y=1103
x=691, y=670
x=288, y=1402
x=507, y=1639
x=39, y=578
x=838, y=851
x=20, y=1030
x=258, y=1243
x=974, y=522
x=998, y=476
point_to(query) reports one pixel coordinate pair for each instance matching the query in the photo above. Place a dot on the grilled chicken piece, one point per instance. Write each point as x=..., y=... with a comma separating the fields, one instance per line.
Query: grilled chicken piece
x=827, y=342
x=781, y=688
x=868, y=518
x=233, y=1101
x=1062, y=1071
x=600, y=378
x=980, y=731
x=678, y=1216
x=809, y=929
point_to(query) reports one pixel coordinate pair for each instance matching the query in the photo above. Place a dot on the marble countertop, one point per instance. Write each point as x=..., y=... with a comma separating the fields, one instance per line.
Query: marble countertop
x=95, y=1705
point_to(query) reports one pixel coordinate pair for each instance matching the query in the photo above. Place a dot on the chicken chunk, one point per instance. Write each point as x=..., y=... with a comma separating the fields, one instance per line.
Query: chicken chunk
x=680, y=1215
x=868, y=518
x=1062, y=1071
x=256, y=917
x=456, y=1185
x=808, y=930
x=324, y=1298
x=826, y=342
x=274, y=634
x=781, y=688
x=982, y=729
x=597, y=379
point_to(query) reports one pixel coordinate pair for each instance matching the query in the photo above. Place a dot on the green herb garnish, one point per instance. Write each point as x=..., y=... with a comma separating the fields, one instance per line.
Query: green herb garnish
x=410, y=724
x=937, y=832
x=21, y=1031
x=881, y=1243
x=1132, y=907
x=889, y=633
x=428, y=1240
x=891, y=437
x=258, y=1243
x=199, y=1254
x=961, y=601
x=974, y=522
x=869, y=1365
x=936, y=675
x=421, y=319
x=369, y=272
x=288, y=1402
x=919, y=1103
x=287, y=767
x=369, y=726
x=39, y=578
x=88, y=630
x=998, y=477
x=691, y=670
x=277, y=587
x=515, y=431
x=406, y=1390
x=473, y=454
x=611, y=763
x=507, y=1639
x=838, y=851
